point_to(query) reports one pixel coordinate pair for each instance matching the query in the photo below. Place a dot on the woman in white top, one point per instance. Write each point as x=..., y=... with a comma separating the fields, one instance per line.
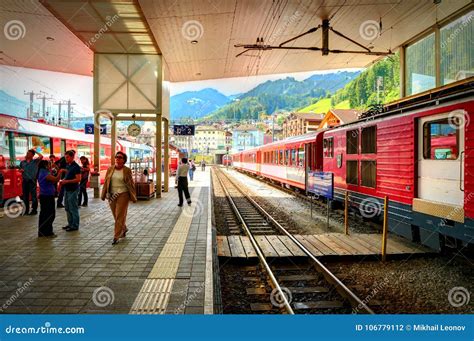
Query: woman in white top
x=119, y=189
x=182, y=175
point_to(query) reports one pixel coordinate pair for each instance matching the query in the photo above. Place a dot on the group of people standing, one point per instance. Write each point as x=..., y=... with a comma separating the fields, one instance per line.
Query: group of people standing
x=65, y=179
x=61, y=177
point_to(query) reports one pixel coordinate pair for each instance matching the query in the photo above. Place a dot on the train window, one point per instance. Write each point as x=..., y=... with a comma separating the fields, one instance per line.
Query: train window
x=367, y=173
x=4, y=145
x=352, y=172
x=328, y=147
x=280, y=157
x=21, y=146
x=368, y=140
x=301, y=157
x=293, y=157
x=441, y=140
x=84, y=150
x=287, y=157
x=352, y=142
x=40, y=144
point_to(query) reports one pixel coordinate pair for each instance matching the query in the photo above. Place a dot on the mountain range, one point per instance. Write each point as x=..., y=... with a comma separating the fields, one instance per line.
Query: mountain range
x=278, y=95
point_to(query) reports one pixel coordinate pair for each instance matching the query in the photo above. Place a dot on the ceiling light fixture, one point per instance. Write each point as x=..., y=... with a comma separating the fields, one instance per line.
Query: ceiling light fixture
x=194, y=42
x=50, y=38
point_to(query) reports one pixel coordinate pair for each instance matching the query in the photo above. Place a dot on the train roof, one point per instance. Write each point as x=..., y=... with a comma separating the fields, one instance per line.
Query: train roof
x=290, y=141
x=27, y=126
x=450, y=92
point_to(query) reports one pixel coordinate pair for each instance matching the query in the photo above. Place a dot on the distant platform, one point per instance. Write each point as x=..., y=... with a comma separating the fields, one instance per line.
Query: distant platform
x=320, y=245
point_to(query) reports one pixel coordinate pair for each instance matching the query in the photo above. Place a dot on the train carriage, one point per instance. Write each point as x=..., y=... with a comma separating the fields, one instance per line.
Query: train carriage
x=286, y=161
x=421, y=157
x=17, y=135
x=419, y=152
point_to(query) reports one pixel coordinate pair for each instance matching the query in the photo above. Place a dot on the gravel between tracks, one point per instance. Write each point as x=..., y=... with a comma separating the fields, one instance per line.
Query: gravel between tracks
x=419, y=284
x=297, y=212
x=413, y=286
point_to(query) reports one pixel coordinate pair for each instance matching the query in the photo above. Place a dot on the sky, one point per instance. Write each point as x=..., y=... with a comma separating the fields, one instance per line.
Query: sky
x=62, y=86
x=233, y=86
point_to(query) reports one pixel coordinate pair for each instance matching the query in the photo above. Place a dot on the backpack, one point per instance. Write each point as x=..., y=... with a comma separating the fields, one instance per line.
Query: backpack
x=193, y=168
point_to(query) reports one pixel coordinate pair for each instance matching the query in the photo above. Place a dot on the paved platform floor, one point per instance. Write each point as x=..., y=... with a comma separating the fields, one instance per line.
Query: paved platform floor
x=166, y=255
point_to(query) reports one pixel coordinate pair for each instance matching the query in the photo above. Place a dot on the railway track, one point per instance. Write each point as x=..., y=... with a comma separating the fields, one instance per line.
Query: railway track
x=306, y=287
x=336, y=214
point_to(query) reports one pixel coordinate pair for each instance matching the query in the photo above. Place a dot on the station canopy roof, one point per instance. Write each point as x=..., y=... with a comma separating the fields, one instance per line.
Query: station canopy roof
x=169, y=26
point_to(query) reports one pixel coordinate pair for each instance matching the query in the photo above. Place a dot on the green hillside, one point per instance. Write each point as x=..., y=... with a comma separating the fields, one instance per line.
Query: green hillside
x=282, y=95
x=361, y=92
x=323, y=105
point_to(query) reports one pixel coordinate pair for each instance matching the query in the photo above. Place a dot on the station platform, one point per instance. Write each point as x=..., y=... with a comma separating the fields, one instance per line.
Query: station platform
x=164, y=265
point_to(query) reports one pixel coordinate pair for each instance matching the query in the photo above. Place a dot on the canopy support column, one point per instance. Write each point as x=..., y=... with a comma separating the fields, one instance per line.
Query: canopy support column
x=166, y=157
x=159, y=161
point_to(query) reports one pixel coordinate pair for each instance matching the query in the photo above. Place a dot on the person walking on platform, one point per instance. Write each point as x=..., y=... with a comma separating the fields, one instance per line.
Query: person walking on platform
x=29, y=170
x=192, y=169
x=47, y=183
x=182, y=175
x=85, y=170
x=203, y=165
x=119, y=190
x=70, y=183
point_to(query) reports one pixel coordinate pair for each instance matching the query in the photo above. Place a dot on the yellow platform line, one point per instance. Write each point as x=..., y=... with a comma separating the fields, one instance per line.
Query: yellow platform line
x=154, y=295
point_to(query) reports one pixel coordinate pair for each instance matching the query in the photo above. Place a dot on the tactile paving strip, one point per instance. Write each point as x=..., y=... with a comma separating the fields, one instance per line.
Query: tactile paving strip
x=154, y=294
x=153, y=297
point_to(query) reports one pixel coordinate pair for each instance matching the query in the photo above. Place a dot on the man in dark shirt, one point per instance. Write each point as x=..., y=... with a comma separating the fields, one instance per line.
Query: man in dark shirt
x=29, y=170
x=70, y=183
x=61, y=164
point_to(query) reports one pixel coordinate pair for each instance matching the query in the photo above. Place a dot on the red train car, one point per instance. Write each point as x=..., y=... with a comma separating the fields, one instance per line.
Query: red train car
x=17, y=135
x=286, y=161
x=419, y=152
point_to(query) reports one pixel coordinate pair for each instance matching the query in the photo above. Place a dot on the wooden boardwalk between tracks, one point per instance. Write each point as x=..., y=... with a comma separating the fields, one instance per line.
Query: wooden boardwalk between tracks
x=329, y=244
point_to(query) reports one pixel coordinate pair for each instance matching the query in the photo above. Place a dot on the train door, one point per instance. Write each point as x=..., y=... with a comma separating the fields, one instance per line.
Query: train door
x=440, y=159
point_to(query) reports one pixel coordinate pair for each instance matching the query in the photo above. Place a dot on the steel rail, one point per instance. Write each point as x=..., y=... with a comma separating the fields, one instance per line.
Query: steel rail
x=259, y=252
x=328, y=275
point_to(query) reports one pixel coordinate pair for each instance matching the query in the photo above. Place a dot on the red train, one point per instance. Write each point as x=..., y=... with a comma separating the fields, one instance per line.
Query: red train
x=418, y=151
x=17, y=135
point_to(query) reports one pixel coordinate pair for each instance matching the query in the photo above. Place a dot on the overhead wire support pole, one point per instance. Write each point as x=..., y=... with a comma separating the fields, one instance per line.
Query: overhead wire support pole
x=325, y=43
x=314, y=29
